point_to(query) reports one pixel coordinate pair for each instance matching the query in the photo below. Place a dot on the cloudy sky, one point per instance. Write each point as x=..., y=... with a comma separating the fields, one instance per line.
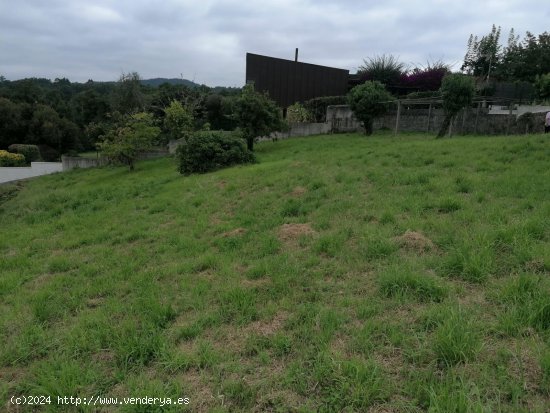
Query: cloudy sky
x=206, y=40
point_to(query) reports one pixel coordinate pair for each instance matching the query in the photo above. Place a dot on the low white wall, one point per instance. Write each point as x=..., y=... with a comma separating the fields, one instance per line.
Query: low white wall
x=8, y=174
x=72, y=162
x=518, y=109
x=299, y=129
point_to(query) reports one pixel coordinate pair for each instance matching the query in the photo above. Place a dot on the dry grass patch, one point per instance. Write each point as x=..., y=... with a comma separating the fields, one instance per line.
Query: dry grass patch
x=234, y=232
x=415, y=242
x=292, y=232
x=298, y=191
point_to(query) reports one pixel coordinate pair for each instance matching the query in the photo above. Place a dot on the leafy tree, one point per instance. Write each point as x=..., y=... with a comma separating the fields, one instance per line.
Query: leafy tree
x=542, y=85
x=47, y=128
x=457, y=91
x=220, y=111
x=368, y=102
x=386, y=69
x=128, y=97
x=257, y=115
x=10, y=122
x=178, y=120
x=132, y=137
x=88, y=106
x=484, y=54
x=518, y=60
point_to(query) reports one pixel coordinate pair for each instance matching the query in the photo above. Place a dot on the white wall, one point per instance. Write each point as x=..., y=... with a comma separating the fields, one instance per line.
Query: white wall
x=518, y=110
x=8, y=174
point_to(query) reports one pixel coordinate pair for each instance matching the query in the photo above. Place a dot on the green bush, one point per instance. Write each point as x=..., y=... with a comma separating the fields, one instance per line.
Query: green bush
x=297, y=113
x=30, y=152
x=209, y=150
x=11, y=159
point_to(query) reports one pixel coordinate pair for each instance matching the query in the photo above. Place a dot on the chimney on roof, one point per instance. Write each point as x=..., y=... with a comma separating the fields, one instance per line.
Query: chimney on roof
x=296, y=55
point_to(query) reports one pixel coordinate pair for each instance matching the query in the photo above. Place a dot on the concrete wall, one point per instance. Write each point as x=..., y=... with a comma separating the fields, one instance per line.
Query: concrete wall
x=8, y=174
x=413, y=119
x=300, y=129
x=72, y=162
x=518, y=109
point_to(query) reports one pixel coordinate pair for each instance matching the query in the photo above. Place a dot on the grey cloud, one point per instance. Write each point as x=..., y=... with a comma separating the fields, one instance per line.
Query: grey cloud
x=207, y=40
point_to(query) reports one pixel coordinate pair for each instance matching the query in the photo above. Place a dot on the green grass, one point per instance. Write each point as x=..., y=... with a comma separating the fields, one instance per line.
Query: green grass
x=340, y=273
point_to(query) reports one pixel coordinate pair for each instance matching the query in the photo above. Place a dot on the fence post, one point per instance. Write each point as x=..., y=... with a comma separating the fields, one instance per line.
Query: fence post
x=477, y=116
x=509, y=118
x=429, y=117
x=397, y=118
x=463, y=120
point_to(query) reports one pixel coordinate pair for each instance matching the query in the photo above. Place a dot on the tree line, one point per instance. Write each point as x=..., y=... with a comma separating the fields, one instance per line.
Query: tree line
x=64, y=117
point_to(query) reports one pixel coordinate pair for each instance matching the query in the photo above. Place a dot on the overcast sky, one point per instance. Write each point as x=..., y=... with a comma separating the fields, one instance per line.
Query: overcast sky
x=206, y=40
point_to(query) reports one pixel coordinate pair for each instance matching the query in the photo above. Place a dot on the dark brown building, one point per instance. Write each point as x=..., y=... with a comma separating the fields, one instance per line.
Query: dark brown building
x=289, y=81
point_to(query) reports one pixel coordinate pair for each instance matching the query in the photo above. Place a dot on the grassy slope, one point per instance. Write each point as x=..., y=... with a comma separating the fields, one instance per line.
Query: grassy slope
x=153, y=284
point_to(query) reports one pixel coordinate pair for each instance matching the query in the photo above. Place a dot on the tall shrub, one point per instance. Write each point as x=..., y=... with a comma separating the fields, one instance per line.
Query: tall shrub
x=368, y=102
x=133, y=136
x=457, y=91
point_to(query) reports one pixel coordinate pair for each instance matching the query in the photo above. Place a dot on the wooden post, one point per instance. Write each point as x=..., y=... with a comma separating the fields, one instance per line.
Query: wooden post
x=451, y=127
x=397, y=118
x=463, y=121
x=429, y=117
x=477, y=116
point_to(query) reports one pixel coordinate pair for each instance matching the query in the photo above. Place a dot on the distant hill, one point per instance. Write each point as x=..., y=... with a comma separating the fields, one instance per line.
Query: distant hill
x=156, y=82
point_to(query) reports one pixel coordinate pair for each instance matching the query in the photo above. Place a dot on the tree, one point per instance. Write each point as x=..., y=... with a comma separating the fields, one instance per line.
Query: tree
x=51, y=132
x=178, y=120
x=10, y=123
x=516, y=61
x=483, y=55
x=133, y=136
x=257, y=115
x=128, y=97
x=368, y=102
x=542, y=86
x=457, y=91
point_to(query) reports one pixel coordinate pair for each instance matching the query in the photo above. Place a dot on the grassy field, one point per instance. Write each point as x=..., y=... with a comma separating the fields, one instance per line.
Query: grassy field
x=340, y=273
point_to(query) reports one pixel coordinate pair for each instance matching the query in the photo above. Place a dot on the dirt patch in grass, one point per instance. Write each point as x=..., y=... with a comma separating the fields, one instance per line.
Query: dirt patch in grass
x=11, y=374
x=201, y=396
x=536, y=265
x=415, y=242
x=94, y=302
x=256, y=283
x=234, y=340
x=234, y=232
x=40, y=281
x=221, y=184
x=9, y=191
x=298, y=191
x=267, y=328
x=291, y=232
